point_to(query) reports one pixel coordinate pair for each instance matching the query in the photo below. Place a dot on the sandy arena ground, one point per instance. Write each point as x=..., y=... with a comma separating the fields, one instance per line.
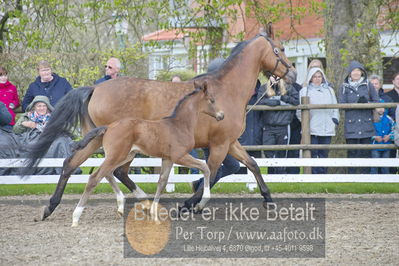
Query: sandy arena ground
x=360, y=230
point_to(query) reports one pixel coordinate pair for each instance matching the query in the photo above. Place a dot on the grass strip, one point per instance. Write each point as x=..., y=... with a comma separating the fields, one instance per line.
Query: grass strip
x=309, y=188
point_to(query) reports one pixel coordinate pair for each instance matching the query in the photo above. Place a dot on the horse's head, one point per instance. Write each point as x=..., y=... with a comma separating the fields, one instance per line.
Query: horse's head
x=275, y=62
x=208, y=104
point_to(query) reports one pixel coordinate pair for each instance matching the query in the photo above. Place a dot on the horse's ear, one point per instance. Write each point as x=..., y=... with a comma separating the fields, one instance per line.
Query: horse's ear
x=201, y=85
x=270, y=31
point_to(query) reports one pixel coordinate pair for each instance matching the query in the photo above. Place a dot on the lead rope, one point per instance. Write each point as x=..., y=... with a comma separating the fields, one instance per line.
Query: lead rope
x=263, y=95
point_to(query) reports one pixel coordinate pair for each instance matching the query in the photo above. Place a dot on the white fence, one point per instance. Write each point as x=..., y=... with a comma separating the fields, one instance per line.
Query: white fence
x=241, y=178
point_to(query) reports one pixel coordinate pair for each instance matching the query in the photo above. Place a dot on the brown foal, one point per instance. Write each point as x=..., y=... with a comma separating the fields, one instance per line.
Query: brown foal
x=171, y=139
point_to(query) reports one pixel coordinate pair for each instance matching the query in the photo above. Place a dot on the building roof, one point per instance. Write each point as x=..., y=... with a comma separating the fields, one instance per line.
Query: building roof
x=163, y=35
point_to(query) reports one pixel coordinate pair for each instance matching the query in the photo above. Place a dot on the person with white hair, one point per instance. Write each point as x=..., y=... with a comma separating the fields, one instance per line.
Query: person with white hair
x=112, y=69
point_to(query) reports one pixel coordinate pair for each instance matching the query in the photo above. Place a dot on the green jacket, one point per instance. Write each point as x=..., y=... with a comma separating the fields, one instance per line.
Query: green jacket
x=18, y=127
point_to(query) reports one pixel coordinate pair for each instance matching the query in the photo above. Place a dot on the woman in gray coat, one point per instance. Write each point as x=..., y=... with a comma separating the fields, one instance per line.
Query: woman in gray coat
x=322, y=121
x=359, y=126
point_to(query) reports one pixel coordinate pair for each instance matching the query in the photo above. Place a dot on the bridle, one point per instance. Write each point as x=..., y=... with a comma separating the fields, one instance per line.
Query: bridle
x=276, y=51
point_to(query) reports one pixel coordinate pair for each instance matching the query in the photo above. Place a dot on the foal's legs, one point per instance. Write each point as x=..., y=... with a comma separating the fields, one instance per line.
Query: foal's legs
x=94, y=179
x=70, y=164
x=114, y=158
x=163, y=180
x=238, y=152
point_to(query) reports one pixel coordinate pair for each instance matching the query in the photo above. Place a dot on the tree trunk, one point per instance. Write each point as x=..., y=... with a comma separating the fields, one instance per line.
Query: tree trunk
x=351, y=34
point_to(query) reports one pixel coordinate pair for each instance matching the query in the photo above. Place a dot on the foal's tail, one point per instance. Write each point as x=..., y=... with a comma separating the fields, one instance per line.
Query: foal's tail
x=96, y=132
x=71, y=109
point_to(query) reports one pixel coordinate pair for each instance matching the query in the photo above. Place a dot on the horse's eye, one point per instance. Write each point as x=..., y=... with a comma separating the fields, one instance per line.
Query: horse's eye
x=212, y=101
x=282, y=49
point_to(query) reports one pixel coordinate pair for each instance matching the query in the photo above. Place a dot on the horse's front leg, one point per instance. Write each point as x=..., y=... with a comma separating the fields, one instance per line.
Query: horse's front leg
x=238, y=152
x=216, y=156
x=163, y=180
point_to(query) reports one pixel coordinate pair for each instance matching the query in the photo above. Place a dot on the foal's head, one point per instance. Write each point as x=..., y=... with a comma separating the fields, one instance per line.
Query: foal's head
x=207, y=103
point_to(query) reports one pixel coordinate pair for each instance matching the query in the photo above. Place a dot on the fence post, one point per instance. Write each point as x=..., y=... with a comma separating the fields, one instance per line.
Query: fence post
x=305, y=123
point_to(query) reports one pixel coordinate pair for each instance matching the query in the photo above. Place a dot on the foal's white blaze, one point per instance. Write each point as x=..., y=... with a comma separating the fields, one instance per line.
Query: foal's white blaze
x=76, y=215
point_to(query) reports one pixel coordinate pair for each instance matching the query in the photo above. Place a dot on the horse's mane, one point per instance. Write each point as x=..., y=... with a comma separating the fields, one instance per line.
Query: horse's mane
x=179, y=104
x=229, y=62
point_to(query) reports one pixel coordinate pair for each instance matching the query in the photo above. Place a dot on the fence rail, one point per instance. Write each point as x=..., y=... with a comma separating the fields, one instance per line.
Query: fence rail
x=248, y=178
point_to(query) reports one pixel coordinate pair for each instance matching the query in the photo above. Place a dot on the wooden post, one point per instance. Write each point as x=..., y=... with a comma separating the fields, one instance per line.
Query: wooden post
x=305, y=123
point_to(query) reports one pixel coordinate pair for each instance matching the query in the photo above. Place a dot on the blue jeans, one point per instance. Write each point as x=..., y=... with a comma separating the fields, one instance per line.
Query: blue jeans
x=320, y=153
x=230, y=166
x=275, y=135
x=380, y=154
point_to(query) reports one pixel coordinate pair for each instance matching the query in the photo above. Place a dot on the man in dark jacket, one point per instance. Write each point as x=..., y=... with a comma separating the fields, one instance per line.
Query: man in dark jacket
x=112, y=69
x=275, y=124
x=48, y=84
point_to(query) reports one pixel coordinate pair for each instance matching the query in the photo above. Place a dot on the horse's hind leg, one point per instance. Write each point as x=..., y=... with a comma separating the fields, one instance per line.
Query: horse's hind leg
x=70, y=164
x=163, y=180
x=238, y=152
x=192, y=162
x=120, y=198
x=122, y=174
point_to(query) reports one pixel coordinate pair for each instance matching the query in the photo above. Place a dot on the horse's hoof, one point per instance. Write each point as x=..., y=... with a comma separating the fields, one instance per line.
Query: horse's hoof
x=45, y=212
x=266, y=203
x=120, y=213
x=74, y=224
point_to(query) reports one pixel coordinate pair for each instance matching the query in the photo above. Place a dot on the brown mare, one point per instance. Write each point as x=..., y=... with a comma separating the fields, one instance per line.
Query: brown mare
x=171, y=139
x=110, y=101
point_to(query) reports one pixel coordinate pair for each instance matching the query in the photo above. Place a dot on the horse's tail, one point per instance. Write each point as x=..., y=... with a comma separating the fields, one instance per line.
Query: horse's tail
x=96, y=132
x=73, y=107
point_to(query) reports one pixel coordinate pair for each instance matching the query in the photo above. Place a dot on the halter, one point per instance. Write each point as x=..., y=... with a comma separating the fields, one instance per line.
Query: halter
x=271, y=73
x=279, y=59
